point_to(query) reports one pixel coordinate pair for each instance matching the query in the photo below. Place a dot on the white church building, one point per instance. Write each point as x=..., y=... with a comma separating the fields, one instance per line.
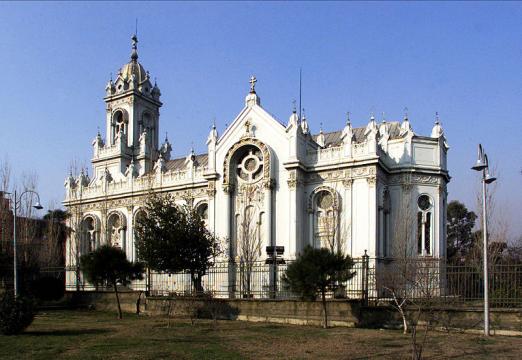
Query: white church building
x=355, y=189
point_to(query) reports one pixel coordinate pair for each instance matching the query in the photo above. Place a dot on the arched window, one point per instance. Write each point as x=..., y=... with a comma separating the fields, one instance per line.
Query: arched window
x=116, y=227
x=118, y=125
x=424, y=225
x=325, y=220
x=90, y=238
x=202, y=211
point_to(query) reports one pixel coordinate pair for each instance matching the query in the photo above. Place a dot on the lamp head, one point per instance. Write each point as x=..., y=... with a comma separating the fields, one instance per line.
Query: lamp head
x=489, y=179
x=38, y=206
x=481, y=163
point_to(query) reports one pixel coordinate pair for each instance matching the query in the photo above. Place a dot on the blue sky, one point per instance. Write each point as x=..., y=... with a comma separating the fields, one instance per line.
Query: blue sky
x=463, y=60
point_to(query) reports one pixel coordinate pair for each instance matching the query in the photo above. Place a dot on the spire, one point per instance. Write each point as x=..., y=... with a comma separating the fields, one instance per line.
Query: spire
x=437, y=130
x=294, y=119
x=372, y=126
x=320, y=138
x=405, y=126
x=134, y=53
x=165, y=148
x=304, y=124
x=213, y=135
x=347, y=133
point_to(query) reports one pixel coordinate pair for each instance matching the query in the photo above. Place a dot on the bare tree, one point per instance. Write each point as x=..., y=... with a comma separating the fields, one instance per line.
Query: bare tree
x=249, y=240
x=411, y=282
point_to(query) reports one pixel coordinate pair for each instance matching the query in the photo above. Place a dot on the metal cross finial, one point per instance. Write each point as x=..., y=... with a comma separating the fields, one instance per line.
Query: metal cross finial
x=348, y=121
x=253, y=81
x=437, y=117
x=294, y=109
x=134, y=53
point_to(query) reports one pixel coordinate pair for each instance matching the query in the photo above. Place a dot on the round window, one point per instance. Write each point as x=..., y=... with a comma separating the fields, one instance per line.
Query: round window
x=424, y=202
x=324, y=200
x=250, y=164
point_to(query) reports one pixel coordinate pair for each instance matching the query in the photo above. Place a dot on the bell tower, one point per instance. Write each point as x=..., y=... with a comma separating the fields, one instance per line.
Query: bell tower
x=132, y=120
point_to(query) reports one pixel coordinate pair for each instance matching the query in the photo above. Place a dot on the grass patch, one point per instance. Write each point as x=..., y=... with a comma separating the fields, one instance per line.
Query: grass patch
x=99, y=335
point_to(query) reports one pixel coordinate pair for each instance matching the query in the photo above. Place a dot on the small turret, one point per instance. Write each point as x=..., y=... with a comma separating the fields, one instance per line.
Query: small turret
x=437, y=130
x=293, y=120
x=371, y=129
x=304, y=124
x=405, y=125
x=320, y=138
x=165, y=149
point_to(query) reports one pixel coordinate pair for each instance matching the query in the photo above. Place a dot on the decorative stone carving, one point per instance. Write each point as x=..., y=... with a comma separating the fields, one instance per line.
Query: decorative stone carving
x=243, y=142
x=348, y=183
x=211, y=189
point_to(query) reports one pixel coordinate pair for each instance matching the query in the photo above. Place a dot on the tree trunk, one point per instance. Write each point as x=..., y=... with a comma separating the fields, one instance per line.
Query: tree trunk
x=120, y=316
x=325, y=314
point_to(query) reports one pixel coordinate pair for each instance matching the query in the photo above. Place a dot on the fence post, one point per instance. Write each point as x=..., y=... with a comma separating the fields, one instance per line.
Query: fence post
x=147, y=282
x=364, y=277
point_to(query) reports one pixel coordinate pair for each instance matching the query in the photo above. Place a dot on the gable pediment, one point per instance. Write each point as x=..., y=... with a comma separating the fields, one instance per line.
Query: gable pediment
x=253, y=121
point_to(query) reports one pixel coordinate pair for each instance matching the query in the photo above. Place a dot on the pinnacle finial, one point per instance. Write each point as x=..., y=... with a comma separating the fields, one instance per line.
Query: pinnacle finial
x=348, y=121
x=134, y=53
x=253, y=81
x=372, y=117
x=166, y=137
x=214, y=123
x=437, y=121
x=294, y=109
x=304, y=113
x=383, y=117
x=405, y=113
x=321, y=127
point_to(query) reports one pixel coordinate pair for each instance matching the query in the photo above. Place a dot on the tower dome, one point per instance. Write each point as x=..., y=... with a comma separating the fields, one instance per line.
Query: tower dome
x=134, y=67
x=133, y=77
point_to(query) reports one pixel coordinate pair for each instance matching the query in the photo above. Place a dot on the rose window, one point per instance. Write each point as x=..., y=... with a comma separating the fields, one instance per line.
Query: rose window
x=250, y=165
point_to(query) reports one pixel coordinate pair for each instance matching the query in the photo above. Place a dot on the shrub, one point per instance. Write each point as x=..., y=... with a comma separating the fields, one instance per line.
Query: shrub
x=16, y=314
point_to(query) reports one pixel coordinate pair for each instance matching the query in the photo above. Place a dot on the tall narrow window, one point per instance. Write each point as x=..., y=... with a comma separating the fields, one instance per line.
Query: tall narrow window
x=424, y=225
x=386, y=206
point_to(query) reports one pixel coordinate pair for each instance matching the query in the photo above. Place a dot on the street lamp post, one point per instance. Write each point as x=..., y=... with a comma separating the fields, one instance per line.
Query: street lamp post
x=16, y=203
x=482, y=165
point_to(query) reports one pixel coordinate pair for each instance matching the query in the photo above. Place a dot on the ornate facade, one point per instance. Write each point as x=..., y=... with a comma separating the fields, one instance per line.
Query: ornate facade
x=375, y=188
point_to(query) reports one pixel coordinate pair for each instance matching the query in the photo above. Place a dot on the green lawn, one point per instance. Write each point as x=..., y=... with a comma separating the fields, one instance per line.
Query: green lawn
x=99, y=335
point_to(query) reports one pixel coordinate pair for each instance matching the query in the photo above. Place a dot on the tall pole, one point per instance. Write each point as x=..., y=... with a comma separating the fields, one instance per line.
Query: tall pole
x=485, y=235
x=15, y=265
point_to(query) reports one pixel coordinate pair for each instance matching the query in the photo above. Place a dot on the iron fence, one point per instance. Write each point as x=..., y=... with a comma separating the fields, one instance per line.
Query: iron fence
x=373, y=281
